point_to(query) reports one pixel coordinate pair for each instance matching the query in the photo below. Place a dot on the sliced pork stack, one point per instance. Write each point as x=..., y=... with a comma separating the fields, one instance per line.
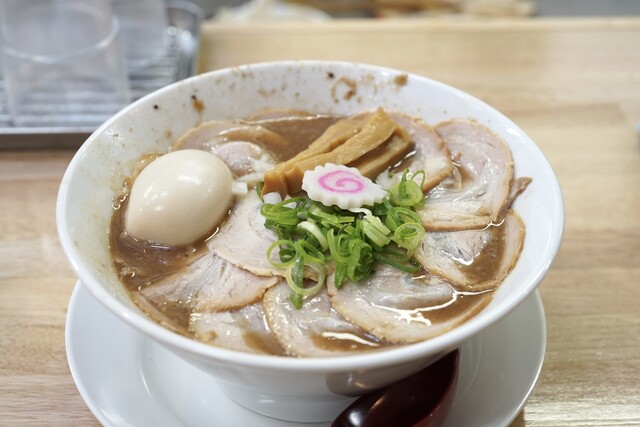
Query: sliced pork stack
x=477, y=192
x=243, y=239
x=243, y=330
x=316, y=329
x=234, y=298
x=430, y=153
x=216, y=132
x=400, y=308
x=473, y=260
x=234, y=286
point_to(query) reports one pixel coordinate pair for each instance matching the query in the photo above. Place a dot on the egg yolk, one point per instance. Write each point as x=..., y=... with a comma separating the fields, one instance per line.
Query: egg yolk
x=179, y=197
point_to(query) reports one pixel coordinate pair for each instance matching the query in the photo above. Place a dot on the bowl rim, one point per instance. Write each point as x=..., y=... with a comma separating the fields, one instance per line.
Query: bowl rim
x=404, y=353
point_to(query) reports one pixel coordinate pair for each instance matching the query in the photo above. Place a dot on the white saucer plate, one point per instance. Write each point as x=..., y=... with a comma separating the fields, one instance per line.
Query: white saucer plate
x=128, y=380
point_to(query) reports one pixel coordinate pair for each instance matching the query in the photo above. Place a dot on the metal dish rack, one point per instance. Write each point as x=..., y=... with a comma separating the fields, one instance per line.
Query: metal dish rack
x=178, y=62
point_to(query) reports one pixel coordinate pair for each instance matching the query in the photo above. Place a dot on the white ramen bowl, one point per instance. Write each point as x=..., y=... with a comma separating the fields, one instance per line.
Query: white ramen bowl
x=299, y=389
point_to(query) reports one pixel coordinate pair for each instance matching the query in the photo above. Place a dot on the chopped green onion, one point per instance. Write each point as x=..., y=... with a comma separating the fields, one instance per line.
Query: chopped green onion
x=406, y=192
x=259, y=187
x=407, y=215
x=339, y=275
x=311, y=234
x=281, y=213
x=286, y=253
x=408, y=267
x=338, y=247
x=376, y=231
x=295, y=278
x=308, y=252
x=408, y=235
x=377, y=223
x=311, y=227
x=361, y=260
x=296, y=300
x=420, y=173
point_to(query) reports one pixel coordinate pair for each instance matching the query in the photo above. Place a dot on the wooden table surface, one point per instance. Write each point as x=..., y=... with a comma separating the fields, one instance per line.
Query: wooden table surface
x=573, y=86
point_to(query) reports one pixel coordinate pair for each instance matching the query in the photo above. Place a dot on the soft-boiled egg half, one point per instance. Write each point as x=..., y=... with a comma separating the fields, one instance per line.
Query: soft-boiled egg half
x=179, y=197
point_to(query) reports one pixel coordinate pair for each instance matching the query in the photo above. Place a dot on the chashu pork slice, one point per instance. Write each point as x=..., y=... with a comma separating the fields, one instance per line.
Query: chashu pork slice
x=209, y=284
x=477, y=192
x=240, y=145
x=244, y=329
x=212, y=133
x=429, y=155
x=400, y=308
x=473, y=260
x=284, y=132
x=243, y=239
x=247, y=161
x=316, y=329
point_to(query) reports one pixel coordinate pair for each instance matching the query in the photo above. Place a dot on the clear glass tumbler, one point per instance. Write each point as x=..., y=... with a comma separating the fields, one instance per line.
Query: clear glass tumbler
x=63, y=62
x=144, y=25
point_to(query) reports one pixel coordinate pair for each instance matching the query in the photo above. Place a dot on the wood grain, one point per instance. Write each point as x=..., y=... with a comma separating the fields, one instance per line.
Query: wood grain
x=572, y=85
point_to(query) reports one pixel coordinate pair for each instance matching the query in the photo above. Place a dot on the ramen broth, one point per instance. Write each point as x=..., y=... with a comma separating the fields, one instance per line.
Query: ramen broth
x=141, y=264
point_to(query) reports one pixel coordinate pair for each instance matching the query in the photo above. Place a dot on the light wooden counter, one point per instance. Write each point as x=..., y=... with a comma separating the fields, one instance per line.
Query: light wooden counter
x=574, y=86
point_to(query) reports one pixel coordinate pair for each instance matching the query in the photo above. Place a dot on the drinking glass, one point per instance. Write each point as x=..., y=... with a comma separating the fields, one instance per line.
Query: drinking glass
x=144, y=26
x=63, y=63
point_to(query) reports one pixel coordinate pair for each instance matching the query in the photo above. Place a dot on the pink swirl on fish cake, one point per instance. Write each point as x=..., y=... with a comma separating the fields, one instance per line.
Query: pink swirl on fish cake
x=341, y=181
